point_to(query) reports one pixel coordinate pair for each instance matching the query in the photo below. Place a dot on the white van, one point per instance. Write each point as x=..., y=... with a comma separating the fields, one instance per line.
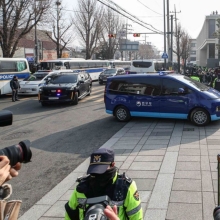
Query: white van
x=146, y=66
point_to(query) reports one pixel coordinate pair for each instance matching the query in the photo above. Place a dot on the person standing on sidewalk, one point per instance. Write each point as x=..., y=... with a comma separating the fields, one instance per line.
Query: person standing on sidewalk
x=103, y=179
x=15, y=86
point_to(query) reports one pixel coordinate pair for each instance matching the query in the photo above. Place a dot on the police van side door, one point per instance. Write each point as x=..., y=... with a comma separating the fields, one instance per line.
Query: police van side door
x=174, y=104
x=144, y=96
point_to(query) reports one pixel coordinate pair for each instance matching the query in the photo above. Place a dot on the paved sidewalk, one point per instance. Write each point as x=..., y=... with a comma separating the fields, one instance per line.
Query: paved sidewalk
x=173, y=163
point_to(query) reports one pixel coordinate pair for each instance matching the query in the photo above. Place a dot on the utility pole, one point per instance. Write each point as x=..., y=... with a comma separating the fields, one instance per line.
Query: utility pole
x=58, y=3
x=168, y=35
x=171, y=42
x=35, y=34
x=164, y=18
x=126, y=38
x=177, y=37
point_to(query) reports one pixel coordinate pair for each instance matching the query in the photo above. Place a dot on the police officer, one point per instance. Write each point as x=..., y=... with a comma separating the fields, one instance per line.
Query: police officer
x=103, y=179
x=15, y=86
x=195, y=77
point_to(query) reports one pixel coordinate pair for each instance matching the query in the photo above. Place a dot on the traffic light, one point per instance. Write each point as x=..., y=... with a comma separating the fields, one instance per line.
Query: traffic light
x=136, y=35
x=111, y=35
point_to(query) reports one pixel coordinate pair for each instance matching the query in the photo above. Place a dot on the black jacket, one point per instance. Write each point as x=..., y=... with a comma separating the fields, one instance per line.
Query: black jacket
x=14, y=84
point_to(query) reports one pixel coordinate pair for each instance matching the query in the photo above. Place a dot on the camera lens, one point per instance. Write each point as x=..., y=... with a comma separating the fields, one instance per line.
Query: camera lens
x=95, y=212
x=18, y=153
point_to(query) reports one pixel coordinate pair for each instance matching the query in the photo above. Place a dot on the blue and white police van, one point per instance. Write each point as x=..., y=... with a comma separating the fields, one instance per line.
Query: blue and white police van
x=161, y=95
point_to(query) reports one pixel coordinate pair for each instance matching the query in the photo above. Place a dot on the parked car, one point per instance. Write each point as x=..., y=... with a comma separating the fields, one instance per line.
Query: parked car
x=110, y=72
x=65, y=87
x=30, y=85
x=161, y=95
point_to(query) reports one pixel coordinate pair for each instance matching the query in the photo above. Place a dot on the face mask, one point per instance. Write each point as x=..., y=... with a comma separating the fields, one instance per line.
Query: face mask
x=106, y=177
x=102, y=180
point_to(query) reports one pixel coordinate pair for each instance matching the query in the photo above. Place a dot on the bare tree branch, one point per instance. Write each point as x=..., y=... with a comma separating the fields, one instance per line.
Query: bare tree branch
x=60, y=28
x=19, y=18
x=87, y=24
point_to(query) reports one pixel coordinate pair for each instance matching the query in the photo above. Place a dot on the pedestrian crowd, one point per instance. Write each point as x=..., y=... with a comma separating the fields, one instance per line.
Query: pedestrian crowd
x=208, y=76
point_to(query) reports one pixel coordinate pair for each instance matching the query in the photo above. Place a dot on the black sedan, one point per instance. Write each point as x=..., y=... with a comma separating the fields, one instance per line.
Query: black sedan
x=65, y=87
x=110, y=72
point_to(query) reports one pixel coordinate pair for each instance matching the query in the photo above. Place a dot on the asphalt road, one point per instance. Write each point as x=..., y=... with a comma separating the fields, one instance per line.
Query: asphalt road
x=62, y=137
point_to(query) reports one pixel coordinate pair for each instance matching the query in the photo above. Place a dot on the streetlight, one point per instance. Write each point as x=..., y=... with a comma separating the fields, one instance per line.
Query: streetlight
x=35, y=31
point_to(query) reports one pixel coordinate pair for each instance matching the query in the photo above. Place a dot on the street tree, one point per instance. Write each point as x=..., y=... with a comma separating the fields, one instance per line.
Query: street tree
x=185, y=47
x=147, y=51
x=62, y=35
x=87, y=21
x=18, y=19
x=178, y=34
x=217, y=35
x=111, y=26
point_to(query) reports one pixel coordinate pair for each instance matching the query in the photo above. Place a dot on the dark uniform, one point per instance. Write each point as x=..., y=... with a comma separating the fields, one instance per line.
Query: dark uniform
x=121, y=190
x=14, y=84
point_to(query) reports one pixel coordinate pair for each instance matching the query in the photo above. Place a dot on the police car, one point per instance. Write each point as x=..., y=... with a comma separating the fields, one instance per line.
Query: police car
x=31, y=85
x=161, y=95
x=110, y=72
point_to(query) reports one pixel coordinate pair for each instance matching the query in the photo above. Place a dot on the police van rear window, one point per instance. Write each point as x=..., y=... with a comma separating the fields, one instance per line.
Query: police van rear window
x=141, y=64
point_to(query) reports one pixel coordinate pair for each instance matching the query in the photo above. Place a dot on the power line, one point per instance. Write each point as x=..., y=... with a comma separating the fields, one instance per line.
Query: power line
x=148, y=8
x=109, y=1
x=129, y=17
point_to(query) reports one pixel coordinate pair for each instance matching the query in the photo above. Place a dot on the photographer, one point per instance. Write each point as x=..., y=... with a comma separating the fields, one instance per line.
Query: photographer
x=103, y=179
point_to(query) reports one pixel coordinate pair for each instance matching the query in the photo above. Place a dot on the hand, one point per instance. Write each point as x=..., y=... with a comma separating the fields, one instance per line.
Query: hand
x=6, y=171
x=111, y=213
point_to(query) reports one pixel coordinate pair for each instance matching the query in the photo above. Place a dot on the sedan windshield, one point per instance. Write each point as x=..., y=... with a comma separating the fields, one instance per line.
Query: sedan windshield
x=195, y=84
x=36, y=77
x=57, y=79
x=109, y=71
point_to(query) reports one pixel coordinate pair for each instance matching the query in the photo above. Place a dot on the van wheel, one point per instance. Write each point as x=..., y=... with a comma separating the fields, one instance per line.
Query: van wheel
x=122, y=114
x=200, y=117
x=75, y=100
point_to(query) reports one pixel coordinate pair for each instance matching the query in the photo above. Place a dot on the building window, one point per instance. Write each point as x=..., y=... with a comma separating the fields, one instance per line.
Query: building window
x=192, y=58
x=211, y=50
x=193, y=52
x=193, y=44
x=211, y=28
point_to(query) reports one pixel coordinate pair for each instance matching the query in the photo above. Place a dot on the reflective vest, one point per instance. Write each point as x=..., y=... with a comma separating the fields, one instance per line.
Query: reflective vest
x=195, y=78
x=129, y=208
x=213, y=85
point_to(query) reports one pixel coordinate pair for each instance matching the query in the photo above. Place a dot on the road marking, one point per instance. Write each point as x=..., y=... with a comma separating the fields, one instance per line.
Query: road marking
x=99, y=100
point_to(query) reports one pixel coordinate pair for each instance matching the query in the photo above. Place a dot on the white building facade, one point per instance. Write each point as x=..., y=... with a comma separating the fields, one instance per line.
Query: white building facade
x=206, y=50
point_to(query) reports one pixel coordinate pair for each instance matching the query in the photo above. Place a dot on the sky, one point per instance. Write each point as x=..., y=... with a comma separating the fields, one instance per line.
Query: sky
x=190, y=13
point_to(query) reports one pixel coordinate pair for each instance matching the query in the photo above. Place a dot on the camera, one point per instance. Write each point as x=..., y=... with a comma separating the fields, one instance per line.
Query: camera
x=15, y=153
x=96, y=208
